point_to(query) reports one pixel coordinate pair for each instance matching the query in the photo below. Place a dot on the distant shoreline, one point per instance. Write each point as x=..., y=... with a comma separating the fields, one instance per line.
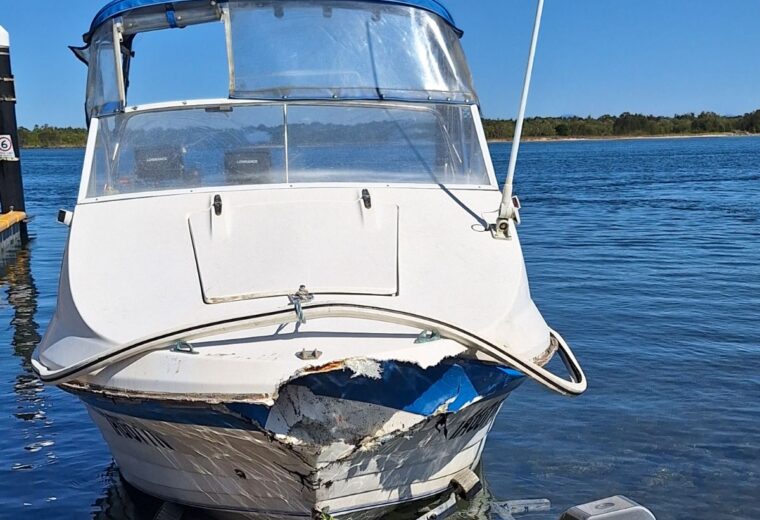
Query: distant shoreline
x=624, y=137
x=527, y=139
x=555, y=139
x=542, y=129
x=57, y=147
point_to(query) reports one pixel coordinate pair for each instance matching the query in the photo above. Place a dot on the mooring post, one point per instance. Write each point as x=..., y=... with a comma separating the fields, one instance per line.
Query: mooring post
x=11, y=184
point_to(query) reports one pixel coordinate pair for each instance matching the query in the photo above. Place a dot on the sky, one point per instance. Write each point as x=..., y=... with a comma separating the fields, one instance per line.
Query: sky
x=594, y=57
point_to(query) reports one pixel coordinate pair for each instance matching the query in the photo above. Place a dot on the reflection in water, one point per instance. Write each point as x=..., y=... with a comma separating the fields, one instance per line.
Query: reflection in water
x=121, y=501
x=16, y=278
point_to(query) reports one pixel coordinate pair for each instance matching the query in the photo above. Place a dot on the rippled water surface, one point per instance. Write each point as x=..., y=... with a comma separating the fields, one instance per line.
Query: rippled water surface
x=644, y=254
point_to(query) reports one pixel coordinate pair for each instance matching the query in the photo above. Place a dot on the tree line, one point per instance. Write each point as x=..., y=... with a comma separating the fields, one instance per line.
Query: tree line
x=624, y=125
x=46, y=136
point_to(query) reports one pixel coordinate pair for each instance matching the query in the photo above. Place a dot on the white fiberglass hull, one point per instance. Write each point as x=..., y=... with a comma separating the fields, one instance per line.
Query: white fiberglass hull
x=289, y=304
x=254, y=473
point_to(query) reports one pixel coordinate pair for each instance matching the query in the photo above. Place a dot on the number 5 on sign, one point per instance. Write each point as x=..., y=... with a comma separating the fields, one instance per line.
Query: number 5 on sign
x=6, y=148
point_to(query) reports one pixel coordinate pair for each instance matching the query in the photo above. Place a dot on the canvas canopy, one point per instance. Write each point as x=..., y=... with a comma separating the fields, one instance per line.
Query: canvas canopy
x=400, y=50
x=121, y=7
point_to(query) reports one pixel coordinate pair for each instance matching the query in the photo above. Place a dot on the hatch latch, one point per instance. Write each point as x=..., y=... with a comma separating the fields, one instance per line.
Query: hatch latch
x=367, y=198
x=218, y=205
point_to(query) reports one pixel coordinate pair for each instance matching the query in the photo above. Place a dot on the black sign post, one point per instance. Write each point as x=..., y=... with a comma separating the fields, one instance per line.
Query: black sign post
x=11, y=184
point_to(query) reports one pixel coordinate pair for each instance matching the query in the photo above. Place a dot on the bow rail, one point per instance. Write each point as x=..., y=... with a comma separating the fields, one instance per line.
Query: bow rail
x=576, y=385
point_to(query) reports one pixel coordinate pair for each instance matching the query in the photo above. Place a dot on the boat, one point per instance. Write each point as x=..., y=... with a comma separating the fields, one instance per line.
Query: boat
x=307, y=298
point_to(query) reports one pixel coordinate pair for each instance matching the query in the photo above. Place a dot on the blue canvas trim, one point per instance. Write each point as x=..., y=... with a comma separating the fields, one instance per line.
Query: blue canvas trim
x=110, y=108
x=171, y=16
x=120, y=7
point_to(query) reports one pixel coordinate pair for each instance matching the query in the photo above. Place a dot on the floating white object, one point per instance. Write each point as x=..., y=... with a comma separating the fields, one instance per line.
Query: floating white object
x=612, y=508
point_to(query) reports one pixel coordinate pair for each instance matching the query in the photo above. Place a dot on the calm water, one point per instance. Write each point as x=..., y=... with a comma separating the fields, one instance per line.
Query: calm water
x=644, y=254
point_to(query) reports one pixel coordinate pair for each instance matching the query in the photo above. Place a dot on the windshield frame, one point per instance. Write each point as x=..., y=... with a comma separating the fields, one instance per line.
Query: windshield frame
x=88, y=171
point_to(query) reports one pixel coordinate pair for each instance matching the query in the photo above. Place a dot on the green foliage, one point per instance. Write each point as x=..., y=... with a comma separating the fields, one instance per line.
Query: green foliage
x=498, y=128
x=625, y=125
x=52, y=137
x=751, y=122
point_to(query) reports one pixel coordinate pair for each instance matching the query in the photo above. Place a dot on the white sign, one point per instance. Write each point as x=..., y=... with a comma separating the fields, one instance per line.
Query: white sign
x=6, y=148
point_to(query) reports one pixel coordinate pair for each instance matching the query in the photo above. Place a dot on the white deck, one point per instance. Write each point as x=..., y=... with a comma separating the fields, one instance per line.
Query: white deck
x=131, y=269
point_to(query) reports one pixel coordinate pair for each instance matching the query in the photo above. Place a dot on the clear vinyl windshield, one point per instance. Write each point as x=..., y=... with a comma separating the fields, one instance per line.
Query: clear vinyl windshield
x=254, y=144
x=345, y=50
x=281, y=50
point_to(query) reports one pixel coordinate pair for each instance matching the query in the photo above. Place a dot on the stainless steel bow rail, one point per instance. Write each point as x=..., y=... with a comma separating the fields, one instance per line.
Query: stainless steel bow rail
x=576, y=385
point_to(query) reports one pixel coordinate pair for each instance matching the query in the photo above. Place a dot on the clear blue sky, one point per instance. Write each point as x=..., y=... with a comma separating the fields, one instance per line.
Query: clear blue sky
x=595, y=56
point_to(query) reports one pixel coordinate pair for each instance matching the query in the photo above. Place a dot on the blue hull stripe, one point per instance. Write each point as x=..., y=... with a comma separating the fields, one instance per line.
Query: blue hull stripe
x=407, y=387
x=250, y=417
x=402, y=386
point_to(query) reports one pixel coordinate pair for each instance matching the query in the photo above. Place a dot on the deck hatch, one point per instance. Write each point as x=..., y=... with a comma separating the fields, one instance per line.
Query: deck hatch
x=268, y=250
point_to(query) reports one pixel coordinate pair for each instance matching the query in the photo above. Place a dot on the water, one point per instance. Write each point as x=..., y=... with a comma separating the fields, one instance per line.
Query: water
x=644, y=254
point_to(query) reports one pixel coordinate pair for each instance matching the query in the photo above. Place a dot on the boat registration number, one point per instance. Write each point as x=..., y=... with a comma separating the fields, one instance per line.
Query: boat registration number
x=137, y=433
x=477, y=421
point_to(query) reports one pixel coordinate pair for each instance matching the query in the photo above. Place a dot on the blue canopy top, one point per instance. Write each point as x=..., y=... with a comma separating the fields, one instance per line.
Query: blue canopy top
x=119, y=7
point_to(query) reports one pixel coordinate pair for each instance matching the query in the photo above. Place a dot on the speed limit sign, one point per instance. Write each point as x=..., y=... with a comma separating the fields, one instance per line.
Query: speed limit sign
x=6, y=148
